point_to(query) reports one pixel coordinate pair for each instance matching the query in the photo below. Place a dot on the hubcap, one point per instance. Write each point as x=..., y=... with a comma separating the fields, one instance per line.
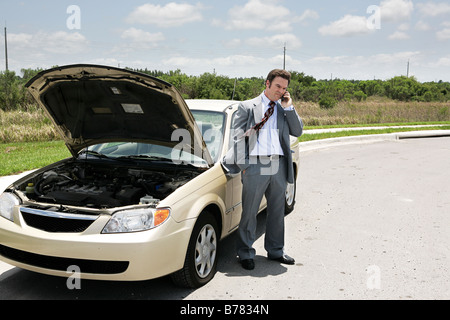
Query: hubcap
x=290, y=193
x=205, y=251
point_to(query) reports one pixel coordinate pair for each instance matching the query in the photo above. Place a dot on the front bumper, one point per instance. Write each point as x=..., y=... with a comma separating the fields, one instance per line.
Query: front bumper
x=121, y=257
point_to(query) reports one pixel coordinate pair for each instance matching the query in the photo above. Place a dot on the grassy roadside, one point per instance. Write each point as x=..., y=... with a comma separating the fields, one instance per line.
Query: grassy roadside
x=24, y=156
x=327, y=135
x=391, y=124
x=376, y=110
x=25, y=135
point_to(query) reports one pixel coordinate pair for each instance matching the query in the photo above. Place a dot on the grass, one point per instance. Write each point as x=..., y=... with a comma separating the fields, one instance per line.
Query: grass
x=23, y=156
x=392, y=124
x=22, y=126
x=28, y=140
x=376, y=110
x=328, y=135
x=19, y=157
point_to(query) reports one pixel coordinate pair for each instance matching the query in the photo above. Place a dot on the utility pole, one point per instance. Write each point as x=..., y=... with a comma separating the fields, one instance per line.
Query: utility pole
x=6, y=50
x=284, y=59
x=234, y=89
x=407, y=69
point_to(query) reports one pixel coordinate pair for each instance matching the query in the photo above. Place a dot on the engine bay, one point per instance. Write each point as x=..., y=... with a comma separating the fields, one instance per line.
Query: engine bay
x=101, y=185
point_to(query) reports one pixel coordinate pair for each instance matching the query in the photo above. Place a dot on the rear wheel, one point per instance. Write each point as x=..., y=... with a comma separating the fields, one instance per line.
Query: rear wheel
x=201, y=257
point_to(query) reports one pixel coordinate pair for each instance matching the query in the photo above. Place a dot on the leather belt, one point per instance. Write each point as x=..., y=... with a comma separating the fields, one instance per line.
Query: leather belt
x=273, y=157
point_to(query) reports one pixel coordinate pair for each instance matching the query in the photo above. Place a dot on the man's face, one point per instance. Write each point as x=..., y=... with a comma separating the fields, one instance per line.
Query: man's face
x=276, y=89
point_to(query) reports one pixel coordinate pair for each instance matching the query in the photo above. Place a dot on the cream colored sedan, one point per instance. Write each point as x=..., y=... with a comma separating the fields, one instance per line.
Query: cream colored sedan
x=144, y=194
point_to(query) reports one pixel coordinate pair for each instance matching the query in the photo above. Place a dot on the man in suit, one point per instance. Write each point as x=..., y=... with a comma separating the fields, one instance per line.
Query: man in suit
x=261, y=152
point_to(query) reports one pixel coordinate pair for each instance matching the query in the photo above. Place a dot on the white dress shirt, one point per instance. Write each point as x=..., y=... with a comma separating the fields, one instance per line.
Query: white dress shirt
x=268, y=142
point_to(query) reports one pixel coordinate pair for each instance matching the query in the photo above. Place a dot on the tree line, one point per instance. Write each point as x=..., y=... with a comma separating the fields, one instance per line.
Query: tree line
x=327, y=93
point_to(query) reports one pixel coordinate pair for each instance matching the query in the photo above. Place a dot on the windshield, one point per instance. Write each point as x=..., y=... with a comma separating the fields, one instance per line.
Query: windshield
x=211, y=125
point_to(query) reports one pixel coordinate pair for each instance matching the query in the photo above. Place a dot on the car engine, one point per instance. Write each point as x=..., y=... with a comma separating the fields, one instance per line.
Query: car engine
x=96, y=185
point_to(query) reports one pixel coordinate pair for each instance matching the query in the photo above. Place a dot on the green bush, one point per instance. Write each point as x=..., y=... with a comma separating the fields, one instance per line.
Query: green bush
x=327, y=102
x=360, y=96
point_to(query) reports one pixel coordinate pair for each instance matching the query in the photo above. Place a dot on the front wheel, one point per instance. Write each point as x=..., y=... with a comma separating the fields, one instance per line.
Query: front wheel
x=201, y=257
x=290, y=198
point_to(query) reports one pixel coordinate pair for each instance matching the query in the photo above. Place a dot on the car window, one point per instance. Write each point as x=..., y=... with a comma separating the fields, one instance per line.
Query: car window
x=211, y=125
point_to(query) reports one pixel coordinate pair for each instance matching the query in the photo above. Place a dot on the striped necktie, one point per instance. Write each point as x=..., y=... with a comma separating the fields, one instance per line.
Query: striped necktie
x=258, y=126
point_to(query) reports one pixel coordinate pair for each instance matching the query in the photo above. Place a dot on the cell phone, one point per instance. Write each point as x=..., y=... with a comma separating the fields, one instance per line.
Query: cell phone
x=283, y=98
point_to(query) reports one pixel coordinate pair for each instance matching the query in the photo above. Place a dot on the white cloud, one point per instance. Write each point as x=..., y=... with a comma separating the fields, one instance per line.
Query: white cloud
x=232, y=60
x=399, y=35
x=20, y=38
x=308, y=15
x=333, y=60
x=141, y=36
x=60, y=42
x=361, y=67
x=443, y=34
x=136, y=40
x=396, y=10
x=233, y=43
x=433, y=9
x=46, y=49
x=269, y=42
x=442, y=62
x=275, y=41
x=374, y=60
x=171, y=15
x=349, y=25
x=422, y=26
x=398, y=58
x=232, y=65
x=258, y=15
x=104, y=61
x=403, y=27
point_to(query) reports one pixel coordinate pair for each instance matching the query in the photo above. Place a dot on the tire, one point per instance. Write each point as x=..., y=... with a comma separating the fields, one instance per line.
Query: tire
x=201, y=258
x=290, y=197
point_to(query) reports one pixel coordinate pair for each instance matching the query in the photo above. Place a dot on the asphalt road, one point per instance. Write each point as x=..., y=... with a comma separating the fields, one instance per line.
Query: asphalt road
x=372, y=221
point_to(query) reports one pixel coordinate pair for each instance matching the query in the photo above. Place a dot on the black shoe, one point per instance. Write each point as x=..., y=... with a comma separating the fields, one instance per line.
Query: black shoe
x=284, y=259
x=248, y=264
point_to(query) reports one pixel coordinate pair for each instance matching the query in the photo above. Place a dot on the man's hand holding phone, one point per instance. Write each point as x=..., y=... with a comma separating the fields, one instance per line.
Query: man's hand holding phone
x=286, y=100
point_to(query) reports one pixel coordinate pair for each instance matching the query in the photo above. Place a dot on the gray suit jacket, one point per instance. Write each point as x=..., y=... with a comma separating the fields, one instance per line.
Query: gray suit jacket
x=248, y=114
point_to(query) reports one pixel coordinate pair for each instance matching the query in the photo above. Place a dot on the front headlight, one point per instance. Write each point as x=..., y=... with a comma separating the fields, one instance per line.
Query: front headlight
x=7, y=203
x=136, y=220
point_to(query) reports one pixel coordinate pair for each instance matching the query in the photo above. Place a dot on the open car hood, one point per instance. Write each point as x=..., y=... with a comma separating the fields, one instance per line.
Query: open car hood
x=92, y=104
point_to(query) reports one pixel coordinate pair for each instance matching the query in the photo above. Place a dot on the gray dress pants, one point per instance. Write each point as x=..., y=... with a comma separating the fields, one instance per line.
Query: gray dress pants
x=267, y=177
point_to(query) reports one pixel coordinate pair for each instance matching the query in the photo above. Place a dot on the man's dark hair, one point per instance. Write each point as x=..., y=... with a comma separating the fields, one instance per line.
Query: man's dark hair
x=279, y=73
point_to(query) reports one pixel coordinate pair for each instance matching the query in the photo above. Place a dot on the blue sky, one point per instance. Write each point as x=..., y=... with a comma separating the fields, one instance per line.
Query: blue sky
x=324, y=38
